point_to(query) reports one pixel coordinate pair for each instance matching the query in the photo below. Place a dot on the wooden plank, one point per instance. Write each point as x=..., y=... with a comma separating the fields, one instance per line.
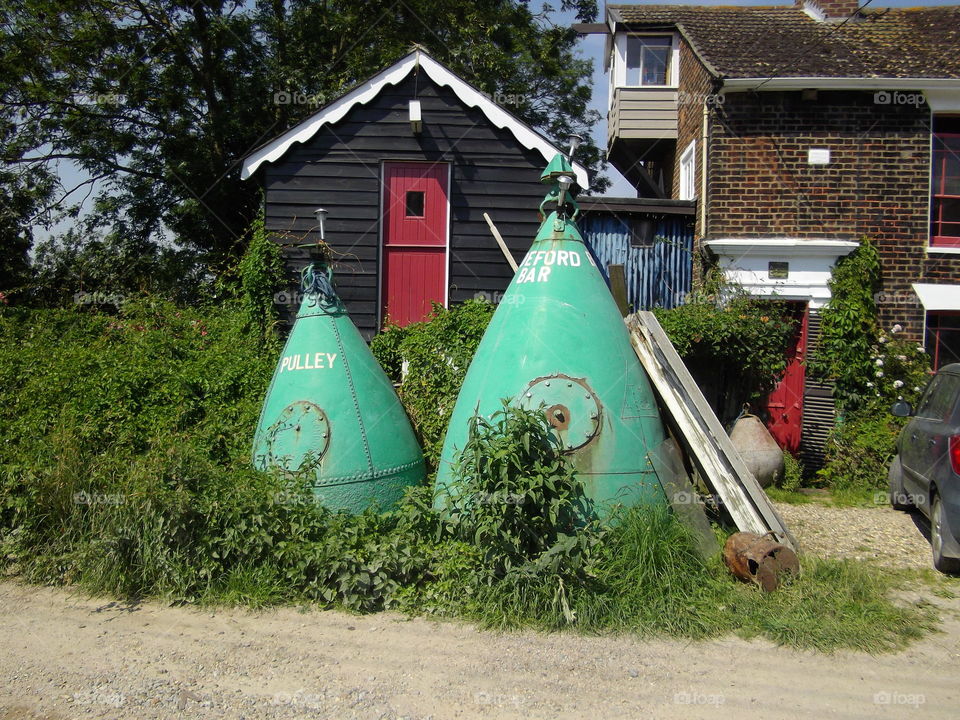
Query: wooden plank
x=704, y=437
x=501, y=243
x=631, y=96
x=618, y=287
x=647, y=123
x=337, y=193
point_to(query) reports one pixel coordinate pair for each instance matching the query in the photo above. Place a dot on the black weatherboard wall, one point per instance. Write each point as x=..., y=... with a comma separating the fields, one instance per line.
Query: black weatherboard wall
x=339, y=169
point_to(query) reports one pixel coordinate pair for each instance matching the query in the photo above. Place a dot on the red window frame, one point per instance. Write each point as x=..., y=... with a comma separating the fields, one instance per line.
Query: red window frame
x=936, y=330
x=943, y=233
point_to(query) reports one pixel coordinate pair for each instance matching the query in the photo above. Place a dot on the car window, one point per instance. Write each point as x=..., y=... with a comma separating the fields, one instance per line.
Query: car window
x=941, y=397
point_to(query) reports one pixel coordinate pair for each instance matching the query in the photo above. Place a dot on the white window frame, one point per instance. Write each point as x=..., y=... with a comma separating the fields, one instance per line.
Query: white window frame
x=618, y=68
x=687, y=167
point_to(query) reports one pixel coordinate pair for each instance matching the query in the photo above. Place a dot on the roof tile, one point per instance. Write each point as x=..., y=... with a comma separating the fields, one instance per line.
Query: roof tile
x=786, y=42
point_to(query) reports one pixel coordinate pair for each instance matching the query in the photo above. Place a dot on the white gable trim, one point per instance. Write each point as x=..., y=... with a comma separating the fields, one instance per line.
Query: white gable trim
x=469, y=95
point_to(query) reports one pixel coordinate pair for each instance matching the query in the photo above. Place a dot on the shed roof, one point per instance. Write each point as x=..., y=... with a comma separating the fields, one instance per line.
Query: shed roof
x=782, y=41
x=630, y=205
x=367, y=91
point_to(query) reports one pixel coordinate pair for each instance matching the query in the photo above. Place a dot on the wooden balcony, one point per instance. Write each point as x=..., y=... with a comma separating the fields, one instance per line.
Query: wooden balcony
x=643, y=114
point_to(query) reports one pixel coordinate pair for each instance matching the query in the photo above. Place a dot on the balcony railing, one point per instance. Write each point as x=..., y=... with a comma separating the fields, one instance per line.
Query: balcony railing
x=642, y=113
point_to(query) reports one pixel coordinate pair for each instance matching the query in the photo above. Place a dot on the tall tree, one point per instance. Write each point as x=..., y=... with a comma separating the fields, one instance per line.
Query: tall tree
x=158, y=101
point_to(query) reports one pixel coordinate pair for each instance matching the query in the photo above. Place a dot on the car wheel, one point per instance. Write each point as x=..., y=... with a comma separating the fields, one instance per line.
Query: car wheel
x=898, y=496
x=938, y=525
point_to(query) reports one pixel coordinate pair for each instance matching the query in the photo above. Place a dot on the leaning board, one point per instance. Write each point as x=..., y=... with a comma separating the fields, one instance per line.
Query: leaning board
x=704, y=438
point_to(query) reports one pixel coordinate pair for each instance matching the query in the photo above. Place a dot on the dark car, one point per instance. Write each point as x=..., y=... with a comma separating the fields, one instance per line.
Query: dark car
x=926, y=471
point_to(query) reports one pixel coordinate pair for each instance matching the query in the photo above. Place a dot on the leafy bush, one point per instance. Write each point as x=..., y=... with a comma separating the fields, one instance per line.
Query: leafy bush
x=793, y=472
x=851, y=341
x=124, y=468
x=849, y=326
x=736, y=349
x=900, y=369
x=858, y=453
x=870, y=368
x=518, y=498
x=438, y=352
x=141, y=410
x=261, y=274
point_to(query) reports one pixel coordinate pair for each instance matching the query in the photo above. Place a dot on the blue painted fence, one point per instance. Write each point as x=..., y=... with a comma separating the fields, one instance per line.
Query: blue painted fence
x=658, y=275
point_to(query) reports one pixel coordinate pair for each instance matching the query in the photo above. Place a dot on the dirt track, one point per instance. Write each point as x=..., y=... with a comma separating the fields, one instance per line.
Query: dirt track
x=67, y=656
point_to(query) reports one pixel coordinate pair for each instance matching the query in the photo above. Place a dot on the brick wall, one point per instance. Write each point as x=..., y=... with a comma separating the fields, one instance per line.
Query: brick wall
x=695, y=87
x=876, y=184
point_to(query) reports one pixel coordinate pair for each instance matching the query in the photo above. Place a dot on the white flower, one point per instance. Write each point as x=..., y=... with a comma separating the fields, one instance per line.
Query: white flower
x=879, y=373
x=898, y=383
x=916, y=389
x=902, y=358
x=869, y=384
x=879, y=362
x=920, y=348
x=896, y=328
x=883, y=339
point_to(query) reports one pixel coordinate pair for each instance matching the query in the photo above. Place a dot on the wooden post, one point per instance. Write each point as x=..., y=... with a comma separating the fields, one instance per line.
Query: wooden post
x=618, y=288
x=500, y=242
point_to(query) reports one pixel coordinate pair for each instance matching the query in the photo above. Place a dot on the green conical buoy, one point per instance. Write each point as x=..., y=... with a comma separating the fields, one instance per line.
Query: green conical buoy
x=332, y=413
x=558, y=342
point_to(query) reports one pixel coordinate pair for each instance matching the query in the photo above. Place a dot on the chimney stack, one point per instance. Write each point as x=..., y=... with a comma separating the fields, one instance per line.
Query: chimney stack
x=829, y=10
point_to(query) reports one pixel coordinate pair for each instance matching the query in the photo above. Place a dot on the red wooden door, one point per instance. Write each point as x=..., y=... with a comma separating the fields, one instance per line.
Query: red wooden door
x=785, y=404
x=415, y=211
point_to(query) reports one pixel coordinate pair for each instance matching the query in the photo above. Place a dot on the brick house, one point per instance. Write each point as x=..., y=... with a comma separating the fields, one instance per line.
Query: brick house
x=799, y=130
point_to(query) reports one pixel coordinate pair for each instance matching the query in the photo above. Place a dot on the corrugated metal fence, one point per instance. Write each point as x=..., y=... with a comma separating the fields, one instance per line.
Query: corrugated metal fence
x=659, y=274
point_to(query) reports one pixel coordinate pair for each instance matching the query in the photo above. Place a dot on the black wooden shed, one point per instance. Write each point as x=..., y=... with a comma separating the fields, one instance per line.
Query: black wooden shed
x=405, y=166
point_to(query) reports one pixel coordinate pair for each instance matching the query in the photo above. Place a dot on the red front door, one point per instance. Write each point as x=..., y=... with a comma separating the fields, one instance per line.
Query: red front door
x=415, y=211
x=785, y=404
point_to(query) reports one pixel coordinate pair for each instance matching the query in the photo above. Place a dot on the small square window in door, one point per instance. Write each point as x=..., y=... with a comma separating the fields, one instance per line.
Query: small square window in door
x=414, y=203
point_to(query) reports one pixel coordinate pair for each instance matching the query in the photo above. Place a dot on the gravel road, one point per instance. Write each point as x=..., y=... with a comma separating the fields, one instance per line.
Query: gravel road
x=66, y=656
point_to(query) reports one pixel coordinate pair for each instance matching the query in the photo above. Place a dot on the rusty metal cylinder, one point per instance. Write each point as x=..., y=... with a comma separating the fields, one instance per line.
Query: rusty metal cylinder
x=759, y=559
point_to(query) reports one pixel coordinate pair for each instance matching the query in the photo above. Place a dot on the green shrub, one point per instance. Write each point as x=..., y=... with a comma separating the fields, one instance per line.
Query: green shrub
x=438, y=353
x=124, y=468
x=386, y=348
x=735, y=349
x=261, y=275
x=793, y=473
x=870, y=367
x=518, y=498
x=142, y=412
x=849, y=327
x=899, y=369
x=858, y=453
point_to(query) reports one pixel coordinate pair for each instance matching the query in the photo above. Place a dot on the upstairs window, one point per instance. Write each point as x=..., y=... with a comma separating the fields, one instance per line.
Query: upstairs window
x=945, y=183
x=648, y=59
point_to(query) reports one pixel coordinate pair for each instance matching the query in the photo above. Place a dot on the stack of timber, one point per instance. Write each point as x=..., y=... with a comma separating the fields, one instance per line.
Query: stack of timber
x=701, y=434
